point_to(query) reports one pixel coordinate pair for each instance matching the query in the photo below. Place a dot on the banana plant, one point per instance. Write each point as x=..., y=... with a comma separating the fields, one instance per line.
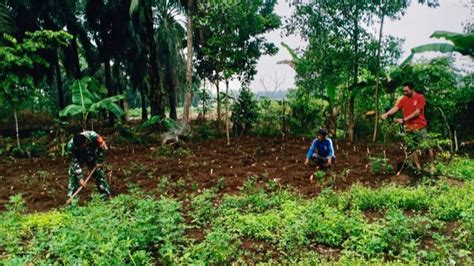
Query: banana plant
x=294, y=57
x=461, y=43
x=87, y=99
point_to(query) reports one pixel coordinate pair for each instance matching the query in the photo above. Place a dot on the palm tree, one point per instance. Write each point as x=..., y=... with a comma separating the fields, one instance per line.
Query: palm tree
x=169, y=38
x=163, y=35
x=143, y=20
x=6, y=23
x=109, y=23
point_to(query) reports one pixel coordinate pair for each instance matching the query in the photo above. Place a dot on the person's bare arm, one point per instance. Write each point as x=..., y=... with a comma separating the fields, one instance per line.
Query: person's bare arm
x=389, y=113
x=412, y=115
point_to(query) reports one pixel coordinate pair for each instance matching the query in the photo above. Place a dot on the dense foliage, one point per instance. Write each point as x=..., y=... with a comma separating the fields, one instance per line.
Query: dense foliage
x=428, y=223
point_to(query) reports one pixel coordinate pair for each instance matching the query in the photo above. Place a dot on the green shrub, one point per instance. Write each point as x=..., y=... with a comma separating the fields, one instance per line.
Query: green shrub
x=396, y=235
x=202, y=207
x=219, y=247
x=120, y=231
x=307, y=112
x=245, y=112
x=452, y=200
x=416, y=198
x=127, y=135
x=380, y=165
x=270, y=117
x=205, y=130
x=458, y=168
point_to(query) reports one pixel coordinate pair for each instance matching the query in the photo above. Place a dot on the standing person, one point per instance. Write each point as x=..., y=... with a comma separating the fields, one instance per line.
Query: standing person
x=87, y=148
x=321, y=150
x=412, y=105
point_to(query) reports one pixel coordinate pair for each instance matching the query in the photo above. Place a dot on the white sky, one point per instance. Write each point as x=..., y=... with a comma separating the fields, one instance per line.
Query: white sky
x=418, y=23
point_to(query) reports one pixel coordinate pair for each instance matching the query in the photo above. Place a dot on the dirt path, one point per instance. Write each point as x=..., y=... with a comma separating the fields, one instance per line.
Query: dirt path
x=43, y=181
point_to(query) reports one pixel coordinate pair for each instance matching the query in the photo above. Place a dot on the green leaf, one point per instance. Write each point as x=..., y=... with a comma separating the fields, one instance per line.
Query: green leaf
x=461, y=41
x=431, y=47
x=71, y=110
x=331, y=92
x=109, y=105
x=112, y=107
x=434, y=47
x=292, y=52
x=133, y=6
x=80, y=94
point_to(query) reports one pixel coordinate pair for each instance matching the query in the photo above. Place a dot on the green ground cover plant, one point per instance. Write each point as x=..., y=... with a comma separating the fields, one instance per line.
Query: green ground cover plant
x=431, y=222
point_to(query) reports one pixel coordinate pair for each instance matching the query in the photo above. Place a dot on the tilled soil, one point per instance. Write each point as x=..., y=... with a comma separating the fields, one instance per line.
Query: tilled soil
x=43, y=181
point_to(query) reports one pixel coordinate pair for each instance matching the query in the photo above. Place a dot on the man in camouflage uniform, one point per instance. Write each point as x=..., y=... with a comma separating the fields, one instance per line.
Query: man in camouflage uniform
x=87, y=148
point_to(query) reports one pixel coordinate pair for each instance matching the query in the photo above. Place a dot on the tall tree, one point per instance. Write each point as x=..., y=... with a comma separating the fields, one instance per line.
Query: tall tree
x=170, y=38
x=188, y=96
x=392, y=10
x=109, y=23
x=338, y=45
x=18, y=59
x=230, y=48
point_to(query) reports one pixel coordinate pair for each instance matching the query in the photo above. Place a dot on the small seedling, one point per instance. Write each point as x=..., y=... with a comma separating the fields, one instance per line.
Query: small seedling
x=181, y=184
x=163, y=184
x=380, y=165
x=249, y=185
x=220, y=183
x=319, y=175
x=272, y=185
x=194, y=186
x=127, y=173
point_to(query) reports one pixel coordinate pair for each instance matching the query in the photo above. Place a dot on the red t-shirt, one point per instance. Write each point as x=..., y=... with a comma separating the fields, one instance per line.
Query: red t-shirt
x=409, y=106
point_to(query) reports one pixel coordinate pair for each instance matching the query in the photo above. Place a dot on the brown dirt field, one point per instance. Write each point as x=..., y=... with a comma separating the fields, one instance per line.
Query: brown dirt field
x=43, y=181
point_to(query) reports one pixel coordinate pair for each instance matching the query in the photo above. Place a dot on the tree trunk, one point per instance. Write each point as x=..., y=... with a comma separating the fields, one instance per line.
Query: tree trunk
x=16, y=128
x=172, y=84
x=355, y=78
x=350, y=132
x=59, y=81
x=71, y=59
x=448, y=128
x=188, y=95
x=118, y=88
x=204, y=101
x=108, y=85
x=331, y=123
x=218, y=106
x=90, y=54
x=227, y=111
x=156, y=102
x=377, y=86
x=75, y=58
x=172, y=97
x=144, y=105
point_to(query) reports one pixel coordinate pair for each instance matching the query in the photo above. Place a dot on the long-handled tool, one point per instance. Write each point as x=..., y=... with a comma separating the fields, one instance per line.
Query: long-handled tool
x=82, y=186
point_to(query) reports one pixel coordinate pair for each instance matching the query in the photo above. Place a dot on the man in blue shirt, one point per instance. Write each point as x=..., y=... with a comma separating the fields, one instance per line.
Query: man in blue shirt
x=321, y=150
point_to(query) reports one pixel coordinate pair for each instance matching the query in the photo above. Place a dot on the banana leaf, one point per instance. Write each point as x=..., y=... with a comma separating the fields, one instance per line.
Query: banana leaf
x=72, y=110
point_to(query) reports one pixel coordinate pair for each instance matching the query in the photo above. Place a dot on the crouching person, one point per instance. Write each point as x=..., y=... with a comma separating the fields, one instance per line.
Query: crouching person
x=87, y=149
x=321, y=151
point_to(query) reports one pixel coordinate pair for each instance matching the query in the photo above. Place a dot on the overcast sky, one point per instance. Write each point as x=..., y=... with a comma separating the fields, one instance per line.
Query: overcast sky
x=415, y=27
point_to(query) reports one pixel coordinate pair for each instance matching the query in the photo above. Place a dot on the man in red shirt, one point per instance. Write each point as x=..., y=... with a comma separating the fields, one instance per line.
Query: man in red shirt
x=412, y=105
